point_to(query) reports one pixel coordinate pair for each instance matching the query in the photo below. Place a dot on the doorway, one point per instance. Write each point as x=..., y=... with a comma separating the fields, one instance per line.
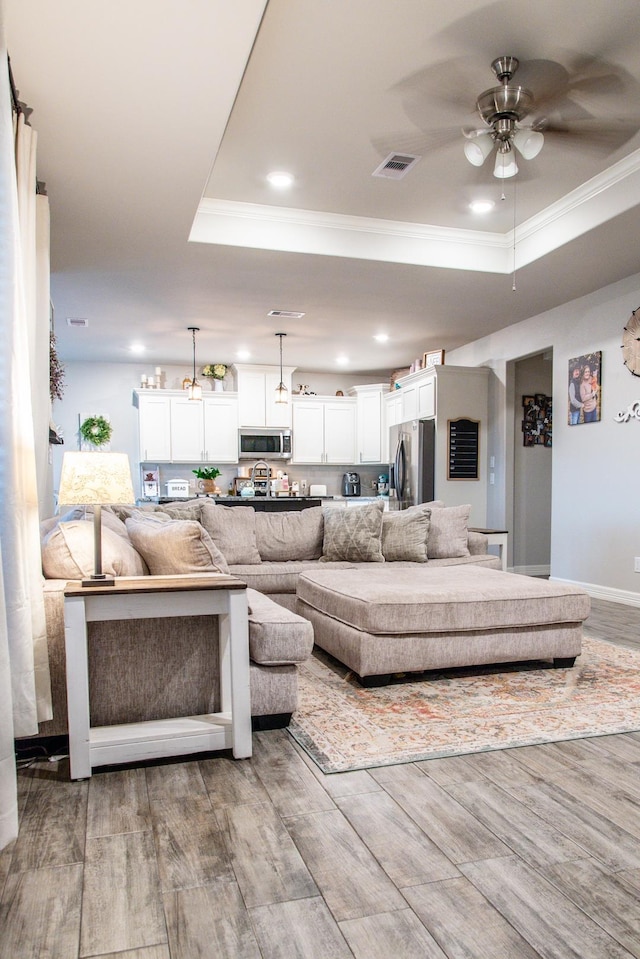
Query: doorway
x=532, y=466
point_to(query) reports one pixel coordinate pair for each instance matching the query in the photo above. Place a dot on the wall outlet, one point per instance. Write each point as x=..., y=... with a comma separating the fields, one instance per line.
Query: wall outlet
x=636, y=564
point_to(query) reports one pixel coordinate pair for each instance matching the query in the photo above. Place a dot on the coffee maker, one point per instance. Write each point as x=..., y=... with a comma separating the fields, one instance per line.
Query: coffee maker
x=351, y=484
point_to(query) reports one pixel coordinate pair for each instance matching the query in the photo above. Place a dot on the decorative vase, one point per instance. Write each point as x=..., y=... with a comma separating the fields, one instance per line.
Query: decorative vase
x=207, y=486
x=218, y=386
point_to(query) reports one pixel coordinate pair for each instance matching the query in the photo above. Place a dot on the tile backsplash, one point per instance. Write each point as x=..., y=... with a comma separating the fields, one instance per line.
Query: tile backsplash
x=329, y=476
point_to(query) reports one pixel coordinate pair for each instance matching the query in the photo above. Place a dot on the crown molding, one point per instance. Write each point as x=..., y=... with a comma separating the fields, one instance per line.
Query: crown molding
x=259, y=226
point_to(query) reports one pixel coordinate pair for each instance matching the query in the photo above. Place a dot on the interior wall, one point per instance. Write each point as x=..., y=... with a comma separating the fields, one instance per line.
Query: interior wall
x=532, y=489
x=595, y=528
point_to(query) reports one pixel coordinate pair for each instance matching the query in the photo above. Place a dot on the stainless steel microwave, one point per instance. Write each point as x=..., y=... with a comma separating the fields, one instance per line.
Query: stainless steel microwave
x=262, y=444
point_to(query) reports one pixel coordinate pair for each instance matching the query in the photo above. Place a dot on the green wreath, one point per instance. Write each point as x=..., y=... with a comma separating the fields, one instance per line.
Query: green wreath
x=96, y=430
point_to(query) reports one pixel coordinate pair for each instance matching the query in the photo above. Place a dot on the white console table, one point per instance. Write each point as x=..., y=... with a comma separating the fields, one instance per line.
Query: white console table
x=151, y=597
x=496, y=537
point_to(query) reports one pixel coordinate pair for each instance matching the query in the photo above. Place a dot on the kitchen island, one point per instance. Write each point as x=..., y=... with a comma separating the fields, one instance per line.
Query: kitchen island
x=271, y=504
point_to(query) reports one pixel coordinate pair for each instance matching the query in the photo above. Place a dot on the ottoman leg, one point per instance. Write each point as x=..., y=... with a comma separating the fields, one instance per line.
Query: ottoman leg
x=567, y=663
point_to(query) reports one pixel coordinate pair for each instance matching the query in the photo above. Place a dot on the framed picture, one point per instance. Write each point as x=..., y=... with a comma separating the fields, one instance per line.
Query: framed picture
x=537, y=420
x=585, y=389
x=433, y=358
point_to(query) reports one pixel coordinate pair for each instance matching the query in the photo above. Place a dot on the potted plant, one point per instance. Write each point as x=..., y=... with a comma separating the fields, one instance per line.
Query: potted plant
x=216, y=372
x=207, y=476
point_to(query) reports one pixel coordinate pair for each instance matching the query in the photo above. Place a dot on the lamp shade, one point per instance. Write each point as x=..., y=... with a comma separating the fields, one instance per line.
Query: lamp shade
x=477, y=151
x=95, y=479
x=506, y=165
x=529, y=143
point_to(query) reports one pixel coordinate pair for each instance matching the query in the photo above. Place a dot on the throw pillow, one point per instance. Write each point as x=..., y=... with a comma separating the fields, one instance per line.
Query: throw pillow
x=190, y=509
x=353, y=534
x=68, y=552
x=108, y=517
x=405, y=533
x=295, y=535
x=449, y=532
x=176, y=547
x=233, y=530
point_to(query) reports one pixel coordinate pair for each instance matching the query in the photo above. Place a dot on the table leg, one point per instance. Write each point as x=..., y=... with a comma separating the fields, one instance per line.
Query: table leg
x=77, y=688
x=238, y=646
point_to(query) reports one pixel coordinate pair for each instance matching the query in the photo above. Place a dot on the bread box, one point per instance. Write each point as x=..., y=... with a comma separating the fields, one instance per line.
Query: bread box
x=178, y=488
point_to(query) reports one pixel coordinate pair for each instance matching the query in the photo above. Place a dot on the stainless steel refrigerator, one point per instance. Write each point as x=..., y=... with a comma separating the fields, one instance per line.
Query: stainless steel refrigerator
x=412, y=470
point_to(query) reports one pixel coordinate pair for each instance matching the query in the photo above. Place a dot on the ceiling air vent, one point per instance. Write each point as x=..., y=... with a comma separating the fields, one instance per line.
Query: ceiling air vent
x=396, y=166
x=77, y=321
x=287, y=314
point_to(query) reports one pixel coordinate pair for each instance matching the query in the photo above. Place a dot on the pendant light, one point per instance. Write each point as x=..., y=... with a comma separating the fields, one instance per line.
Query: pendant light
x=282, y=393
x=195, y=390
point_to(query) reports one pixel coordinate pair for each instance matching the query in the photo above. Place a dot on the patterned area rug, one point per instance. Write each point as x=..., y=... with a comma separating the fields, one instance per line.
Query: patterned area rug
x=448, y=713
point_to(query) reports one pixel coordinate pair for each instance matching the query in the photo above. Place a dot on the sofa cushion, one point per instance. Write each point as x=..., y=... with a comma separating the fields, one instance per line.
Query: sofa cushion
x=405, y=533
x=175, y=547
x=295, y=535
x=391, y=601
x=68, y=552
x=448, y=533
x=279, y=578
x=353, y=534
x=189, y=509
x=276, y=635
x=233, y=530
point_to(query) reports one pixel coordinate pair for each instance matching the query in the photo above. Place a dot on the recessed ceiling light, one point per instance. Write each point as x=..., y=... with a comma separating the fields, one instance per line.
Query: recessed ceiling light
x=280, y=179
x=481, y=206
x=137, y=348
x=342, y=360
x=381, y=337
x=243, y=355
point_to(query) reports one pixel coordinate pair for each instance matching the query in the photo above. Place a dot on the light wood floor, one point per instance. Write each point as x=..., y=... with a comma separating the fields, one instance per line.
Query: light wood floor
x=512, y=854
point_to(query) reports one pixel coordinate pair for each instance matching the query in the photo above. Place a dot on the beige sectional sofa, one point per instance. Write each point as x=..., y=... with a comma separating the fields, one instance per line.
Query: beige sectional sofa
x=159, y=668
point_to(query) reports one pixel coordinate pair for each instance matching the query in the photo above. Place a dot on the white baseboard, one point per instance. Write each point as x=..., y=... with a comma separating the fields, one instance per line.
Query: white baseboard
x=531, y=570
x=604, y=592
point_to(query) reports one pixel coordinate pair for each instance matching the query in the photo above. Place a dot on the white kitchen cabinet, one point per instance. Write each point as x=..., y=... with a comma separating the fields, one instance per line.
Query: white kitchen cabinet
x=370, y=422
x=256, y=387
x=392, y=414
x=220, y=428
x=426, y=390
x=409, y=397
x=324, y=430
x=187, y=430
x=154, y=426
x=205, y=432
x=175, y=429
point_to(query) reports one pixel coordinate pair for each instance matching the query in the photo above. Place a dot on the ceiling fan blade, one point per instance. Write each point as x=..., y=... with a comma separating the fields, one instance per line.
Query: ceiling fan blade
x=469, y=133
x=416, y=143
x=597, y=135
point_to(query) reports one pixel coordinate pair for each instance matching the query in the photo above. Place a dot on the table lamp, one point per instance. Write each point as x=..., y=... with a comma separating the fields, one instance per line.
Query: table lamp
x=96, y=479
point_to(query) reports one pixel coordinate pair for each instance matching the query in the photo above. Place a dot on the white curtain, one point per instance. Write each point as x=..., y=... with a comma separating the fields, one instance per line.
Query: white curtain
x=24, y=693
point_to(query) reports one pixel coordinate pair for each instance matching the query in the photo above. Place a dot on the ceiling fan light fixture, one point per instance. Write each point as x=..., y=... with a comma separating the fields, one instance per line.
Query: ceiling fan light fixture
x=529, y=143
x=477, y=151
x=506, y=165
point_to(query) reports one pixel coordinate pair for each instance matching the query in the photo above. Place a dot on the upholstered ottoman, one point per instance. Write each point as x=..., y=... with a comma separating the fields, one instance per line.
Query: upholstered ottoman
x=381, y=620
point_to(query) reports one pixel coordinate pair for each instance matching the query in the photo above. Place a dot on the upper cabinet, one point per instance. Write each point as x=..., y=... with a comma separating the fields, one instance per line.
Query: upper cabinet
x=324, y=430
x=256, y=395
x=154, y=422
x=370, y=422
x=173, y=428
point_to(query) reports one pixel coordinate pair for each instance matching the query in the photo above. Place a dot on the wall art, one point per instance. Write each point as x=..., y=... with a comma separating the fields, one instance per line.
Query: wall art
x=585, y=392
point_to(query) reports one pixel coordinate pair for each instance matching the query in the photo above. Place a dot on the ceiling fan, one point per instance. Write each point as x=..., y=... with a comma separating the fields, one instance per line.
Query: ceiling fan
x=503, y=109
x=508, y=126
